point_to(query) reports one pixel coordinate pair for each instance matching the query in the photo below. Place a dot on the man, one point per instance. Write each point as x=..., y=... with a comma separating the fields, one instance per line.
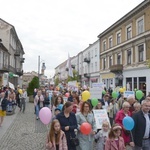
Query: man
x=131, y=100
x=105, y=101
x=141, y=130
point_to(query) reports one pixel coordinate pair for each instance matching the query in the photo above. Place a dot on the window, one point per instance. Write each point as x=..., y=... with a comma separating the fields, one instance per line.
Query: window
x=95, y=52
x=104, y=45
x=118, y=38
x=140, y=26
x=91, y=67
x=110, y=42
x=95, y=66
x=110, y=61
x=118, y=59
x=129, y=32
x=141, y=52
x=104, y=63
x=129, y=57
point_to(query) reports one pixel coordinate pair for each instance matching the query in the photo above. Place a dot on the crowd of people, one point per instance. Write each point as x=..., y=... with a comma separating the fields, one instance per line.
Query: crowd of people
x=9, y=99
x=68, y=116
x=66, y=121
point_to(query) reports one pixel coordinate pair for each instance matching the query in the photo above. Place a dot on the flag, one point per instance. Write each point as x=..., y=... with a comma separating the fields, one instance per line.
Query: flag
x=70, y=71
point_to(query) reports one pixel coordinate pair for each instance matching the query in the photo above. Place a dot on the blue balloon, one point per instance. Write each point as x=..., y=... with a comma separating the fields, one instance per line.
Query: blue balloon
x=128, y=123
x=60, y=106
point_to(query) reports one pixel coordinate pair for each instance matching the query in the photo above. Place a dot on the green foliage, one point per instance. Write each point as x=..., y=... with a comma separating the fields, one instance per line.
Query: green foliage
x=56, y=81
x=32, y=85
x=148, y=63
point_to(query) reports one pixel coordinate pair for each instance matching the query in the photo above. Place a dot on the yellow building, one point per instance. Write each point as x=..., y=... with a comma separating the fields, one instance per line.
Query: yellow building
x=124, y=49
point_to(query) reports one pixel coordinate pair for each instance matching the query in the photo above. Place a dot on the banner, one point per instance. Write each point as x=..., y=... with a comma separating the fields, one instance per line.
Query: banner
x=100, y=115
x=129, y=93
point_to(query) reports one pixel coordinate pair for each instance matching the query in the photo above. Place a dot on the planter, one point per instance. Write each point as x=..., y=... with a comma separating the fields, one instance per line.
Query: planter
x=31, y=100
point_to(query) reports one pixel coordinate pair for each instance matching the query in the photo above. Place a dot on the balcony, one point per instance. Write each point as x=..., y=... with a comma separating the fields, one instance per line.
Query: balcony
x=19, y=71
x=86, y=75
x=87, y=60
x=22, y=60
x=17, y=53
x=4, y=68
x=116, y=68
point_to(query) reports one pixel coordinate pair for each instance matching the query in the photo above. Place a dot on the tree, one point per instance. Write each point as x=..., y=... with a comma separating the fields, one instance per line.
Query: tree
x=32, y=85
x=56, y=81
x=75, y=76
x=148, y=63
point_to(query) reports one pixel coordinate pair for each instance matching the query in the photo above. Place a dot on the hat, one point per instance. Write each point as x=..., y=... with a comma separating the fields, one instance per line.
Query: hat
x=57, y=109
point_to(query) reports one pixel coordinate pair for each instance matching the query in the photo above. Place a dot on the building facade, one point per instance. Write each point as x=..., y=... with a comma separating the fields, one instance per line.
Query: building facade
x=124, y=50
x=15, y=59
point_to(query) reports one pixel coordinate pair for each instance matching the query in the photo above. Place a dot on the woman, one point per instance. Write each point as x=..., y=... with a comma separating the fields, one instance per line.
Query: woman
x=119, y=120
x=56, y=139
x=38, y=102
x=3, y=105
x=114, y=140
x=85, y=115
x=68, y=123
x=76, y=107
x=99, y=105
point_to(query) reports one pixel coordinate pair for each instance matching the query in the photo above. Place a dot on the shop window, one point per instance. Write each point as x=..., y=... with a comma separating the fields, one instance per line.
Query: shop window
x=142, y=84
x=141, y=52
x=118, y=59
x=129, y=81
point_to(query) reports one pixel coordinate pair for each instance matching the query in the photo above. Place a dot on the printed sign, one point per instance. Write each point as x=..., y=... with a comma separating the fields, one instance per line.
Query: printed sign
x=100, y=115
x=129, y=93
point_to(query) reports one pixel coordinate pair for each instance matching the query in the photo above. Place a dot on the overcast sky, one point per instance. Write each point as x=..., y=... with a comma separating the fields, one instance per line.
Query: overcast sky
x=52, y=28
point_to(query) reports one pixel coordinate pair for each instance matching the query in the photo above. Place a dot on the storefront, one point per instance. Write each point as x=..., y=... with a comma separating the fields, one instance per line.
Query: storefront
x=137, y=79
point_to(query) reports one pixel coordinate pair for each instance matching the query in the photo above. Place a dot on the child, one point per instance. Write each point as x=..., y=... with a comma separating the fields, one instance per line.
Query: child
x=56, y=139
x=101, y=136
x=114, y=140
x=57, y=111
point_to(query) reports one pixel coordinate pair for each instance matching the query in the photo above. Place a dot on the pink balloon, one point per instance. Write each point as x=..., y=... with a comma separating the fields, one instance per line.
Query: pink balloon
x=45, y=115
x=67, y=94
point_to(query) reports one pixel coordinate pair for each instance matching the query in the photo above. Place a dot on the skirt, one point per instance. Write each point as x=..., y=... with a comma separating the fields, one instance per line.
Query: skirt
x=2, y=113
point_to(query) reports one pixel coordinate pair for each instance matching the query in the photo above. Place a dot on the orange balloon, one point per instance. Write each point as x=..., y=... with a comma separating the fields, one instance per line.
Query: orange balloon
x=85, y=128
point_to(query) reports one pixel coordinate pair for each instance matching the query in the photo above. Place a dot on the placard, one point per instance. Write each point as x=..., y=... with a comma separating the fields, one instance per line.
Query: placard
x=129, y=93
x=100, y=115
x=95, y=93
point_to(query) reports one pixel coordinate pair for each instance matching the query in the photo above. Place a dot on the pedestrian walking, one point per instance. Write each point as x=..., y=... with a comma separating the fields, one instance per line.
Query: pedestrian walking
x=56, y=138
x=3, y=105
x=23, y=97
x=141, y=130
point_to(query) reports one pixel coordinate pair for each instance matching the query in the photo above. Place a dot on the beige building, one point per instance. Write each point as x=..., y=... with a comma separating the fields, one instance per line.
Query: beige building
x=124, y=49
x=14, y=61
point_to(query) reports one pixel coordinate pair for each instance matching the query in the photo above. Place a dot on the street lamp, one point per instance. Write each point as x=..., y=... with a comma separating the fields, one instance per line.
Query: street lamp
x=43, y=66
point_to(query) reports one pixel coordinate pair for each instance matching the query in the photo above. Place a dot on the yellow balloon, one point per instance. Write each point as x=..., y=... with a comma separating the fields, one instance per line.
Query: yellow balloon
x=20, y=91
x=85, y=95
x=121, y=90
x=124, y=88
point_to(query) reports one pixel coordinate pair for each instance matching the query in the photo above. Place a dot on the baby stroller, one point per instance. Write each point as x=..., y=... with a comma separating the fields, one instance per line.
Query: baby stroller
x=11, y=106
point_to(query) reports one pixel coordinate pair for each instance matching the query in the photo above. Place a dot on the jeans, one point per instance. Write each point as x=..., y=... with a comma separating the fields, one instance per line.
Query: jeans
x=37, y=110
x=22, y=104
x=145, y=145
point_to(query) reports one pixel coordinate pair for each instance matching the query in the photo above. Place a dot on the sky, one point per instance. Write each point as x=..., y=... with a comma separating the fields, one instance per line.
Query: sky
x=53, y=28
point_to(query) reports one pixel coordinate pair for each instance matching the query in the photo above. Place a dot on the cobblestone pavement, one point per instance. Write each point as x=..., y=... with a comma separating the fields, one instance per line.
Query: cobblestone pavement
x=25, y=132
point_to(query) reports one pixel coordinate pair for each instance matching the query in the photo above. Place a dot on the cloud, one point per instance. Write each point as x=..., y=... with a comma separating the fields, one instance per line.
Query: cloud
x=51, y=28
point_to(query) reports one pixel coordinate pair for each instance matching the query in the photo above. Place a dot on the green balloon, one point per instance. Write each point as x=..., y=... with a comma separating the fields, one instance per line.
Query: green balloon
x=139, y=94
x=94, y=102
x=104, y=92
x=114, y=94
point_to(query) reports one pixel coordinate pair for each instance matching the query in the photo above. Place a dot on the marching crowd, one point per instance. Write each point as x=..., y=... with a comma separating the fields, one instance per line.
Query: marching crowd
x=69, y=116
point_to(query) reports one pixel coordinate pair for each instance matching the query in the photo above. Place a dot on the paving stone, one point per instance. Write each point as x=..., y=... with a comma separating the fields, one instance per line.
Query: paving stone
x=25, y=132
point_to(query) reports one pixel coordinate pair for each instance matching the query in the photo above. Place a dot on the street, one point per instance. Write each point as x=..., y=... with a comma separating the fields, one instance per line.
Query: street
x=22, y=131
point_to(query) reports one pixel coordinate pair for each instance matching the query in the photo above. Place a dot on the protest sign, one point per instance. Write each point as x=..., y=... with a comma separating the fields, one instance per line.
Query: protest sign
x=129, y=93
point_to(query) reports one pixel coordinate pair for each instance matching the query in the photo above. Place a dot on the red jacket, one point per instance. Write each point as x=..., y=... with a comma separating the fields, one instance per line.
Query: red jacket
x=119, y=118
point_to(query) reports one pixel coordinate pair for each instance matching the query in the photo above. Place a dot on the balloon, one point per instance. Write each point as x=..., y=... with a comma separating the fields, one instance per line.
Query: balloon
x=121, y=90
x=85, y=95
x=60, y=106
x=20, y=91
x=94, y=102
x=124, y=88
x=139, y=94
x=85, y=128
x=104, y=92
x=45, y=115
x=67, y=94
x=114, y=94
x=128, y=123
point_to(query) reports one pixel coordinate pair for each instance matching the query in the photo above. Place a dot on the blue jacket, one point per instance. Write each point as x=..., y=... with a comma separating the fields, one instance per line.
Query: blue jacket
x=4, y=104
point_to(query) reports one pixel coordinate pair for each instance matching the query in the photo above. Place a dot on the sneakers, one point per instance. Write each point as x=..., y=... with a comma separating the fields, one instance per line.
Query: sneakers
x=37, y=118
